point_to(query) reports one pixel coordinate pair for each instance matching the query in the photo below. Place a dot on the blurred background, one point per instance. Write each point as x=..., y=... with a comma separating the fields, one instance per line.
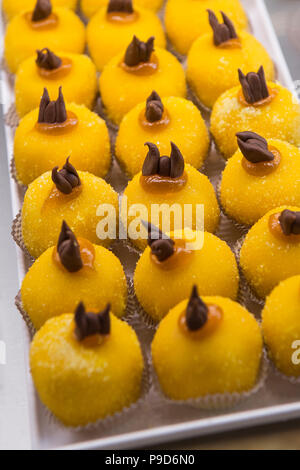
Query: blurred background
x=285, y=15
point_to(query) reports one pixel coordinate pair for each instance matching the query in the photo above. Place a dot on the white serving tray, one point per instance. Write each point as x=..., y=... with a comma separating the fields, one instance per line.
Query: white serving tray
x=156, y=423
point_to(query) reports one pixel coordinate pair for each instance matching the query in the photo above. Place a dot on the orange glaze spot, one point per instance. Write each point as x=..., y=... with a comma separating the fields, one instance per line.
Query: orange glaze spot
x=144, y=68
x=48, y=23
x=272, y=94
x=122, y=17
x=262, y=168
x=180, y=257
x=56, y=198
x=231, y=44
x=58, y=128
x=156, y=125
x=92, y=341
x=58, y=73
x=215, y=317
x=87, y=253
x=163, y=184
x=276, y=230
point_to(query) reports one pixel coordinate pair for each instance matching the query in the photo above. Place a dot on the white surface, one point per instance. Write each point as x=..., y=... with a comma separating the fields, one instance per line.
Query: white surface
x=155, y=423
x=14, y=411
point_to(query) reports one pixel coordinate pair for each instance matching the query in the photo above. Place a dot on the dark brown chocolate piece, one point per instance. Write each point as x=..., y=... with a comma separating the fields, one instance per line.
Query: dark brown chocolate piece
x=177, y=162
x=223, y=32
x=68, y=249
x=42, y=10
x=254, y=147
x=290, y=222
x=52, y=112
x=66, y=179
x=254, y=86
x=151, y=163
x=120, y=6
x=161, y=245
x=154, y=164
x=154, y=108
x=196, y=312
x=89, y=324
x=138, y=51
x=46, y=59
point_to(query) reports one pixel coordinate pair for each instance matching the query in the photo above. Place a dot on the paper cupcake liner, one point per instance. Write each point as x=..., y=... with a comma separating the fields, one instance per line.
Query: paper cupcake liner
x=11, y=118
x=24, y=315
x=224, y=231
x=204, y=168
x=291, y=379
x=213, y=166
x=180, y=57
x=3, y=18
x=17, y=235
x=136, y=313
x=218, y=401
x=121, y=164
x=247, y=292
x=100, y=109
x=217, y=147
x=192, y=96
x=13, y=174
x=13, y=170
x=10, y=76
x=242, y=228
x=128, y=243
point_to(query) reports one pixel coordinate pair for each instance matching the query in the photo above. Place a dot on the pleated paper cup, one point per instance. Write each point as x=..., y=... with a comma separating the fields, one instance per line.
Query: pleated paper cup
x=246, y=291
x=218, y=401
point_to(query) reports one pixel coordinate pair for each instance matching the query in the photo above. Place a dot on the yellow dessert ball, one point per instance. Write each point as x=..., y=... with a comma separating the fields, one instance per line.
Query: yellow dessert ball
x=87, y=144
x=186, y=20
x=45, y=207
x=81, y=384
x=197, y=190
x=22, y=39
x=185, y=127
x=226, y=360
x=281, y=326
x=79, y=83
x=121, y=90
x=212, y=268
x=90, y=7
x=49, y=289
x=267, y=259
x=277, y=119
x=108, y=38
x=12, y=8
x=247, y=197
x=211, y=70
